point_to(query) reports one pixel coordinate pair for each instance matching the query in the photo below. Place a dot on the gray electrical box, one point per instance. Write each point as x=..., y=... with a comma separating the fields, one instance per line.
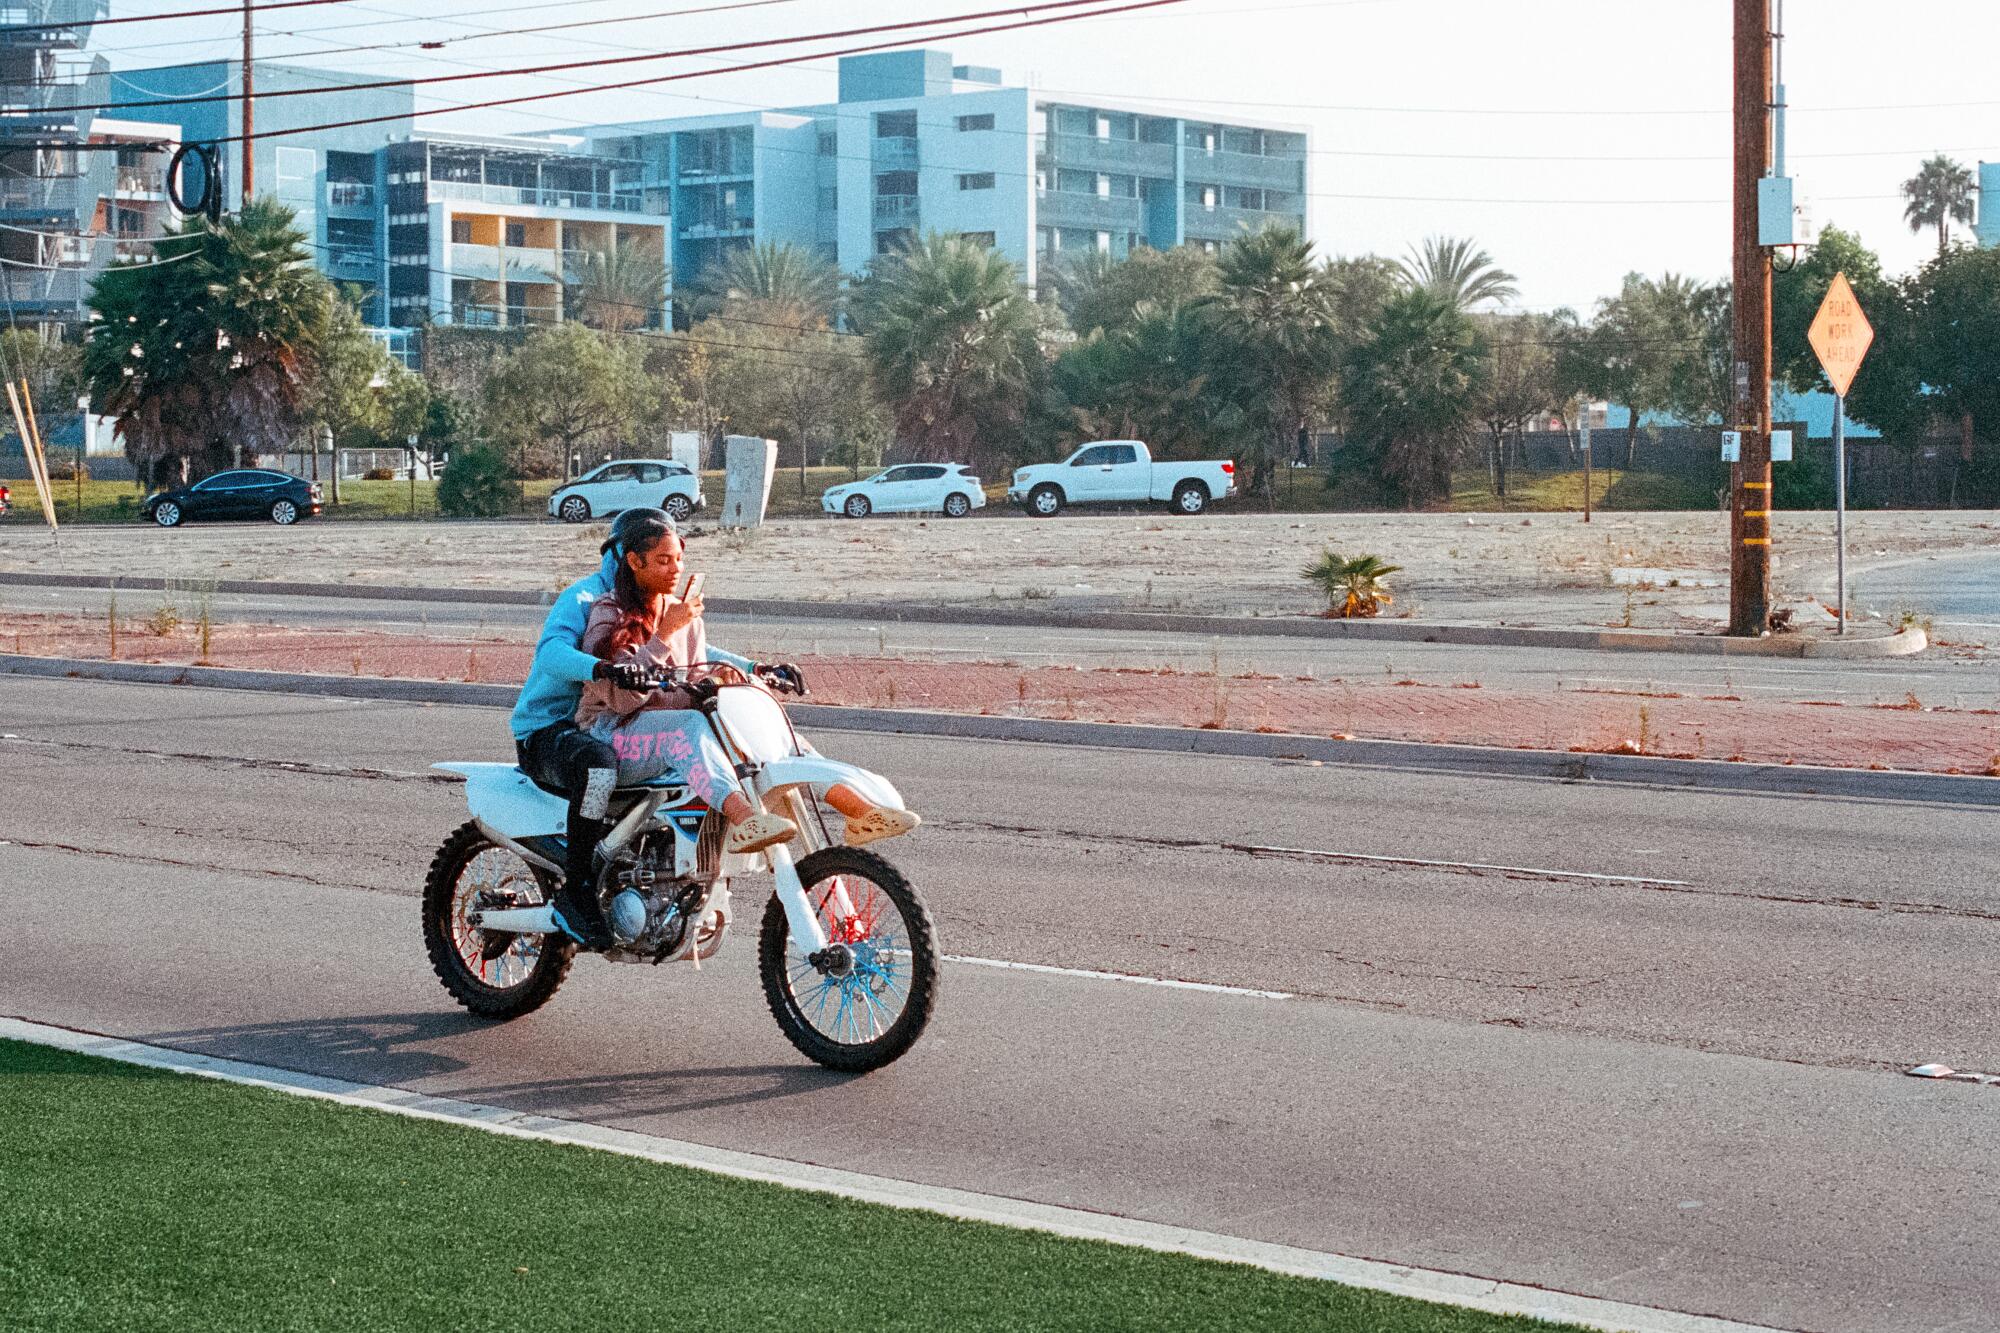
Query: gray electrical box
x=1775, y=219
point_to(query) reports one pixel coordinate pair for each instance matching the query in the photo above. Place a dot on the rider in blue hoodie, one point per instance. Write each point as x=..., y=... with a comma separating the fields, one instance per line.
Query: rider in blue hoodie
x=555, y=752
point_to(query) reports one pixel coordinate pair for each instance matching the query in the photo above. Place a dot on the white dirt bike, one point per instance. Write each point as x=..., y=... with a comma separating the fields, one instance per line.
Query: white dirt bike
x=847, y=952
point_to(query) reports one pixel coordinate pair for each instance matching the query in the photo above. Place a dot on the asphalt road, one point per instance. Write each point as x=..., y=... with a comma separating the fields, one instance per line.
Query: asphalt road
x=1935, y=678
x=1628, y=1042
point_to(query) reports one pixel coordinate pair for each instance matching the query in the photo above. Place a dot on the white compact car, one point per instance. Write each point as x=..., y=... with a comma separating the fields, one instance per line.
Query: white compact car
x=930, y=488
x=629, y=483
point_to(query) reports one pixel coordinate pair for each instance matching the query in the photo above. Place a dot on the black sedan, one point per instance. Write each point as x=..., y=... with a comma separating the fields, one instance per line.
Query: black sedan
x=244, y=493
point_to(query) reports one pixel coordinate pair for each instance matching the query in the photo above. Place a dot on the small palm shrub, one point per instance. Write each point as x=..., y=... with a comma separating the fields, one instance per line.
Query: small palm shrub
x=1352, y=588
x=476, y=484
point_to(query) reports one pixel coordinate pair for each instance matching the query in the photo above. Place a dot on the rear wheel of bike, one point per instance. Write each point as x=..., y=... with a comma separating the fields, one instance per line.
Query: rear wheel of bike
x=867, y=997
x=492, y=975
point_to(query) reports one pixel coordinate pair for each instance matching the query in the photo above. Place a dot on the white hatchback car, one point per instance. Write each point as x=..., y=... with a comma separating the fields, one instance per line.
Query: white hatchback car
x=629, y=483
x=931, y=488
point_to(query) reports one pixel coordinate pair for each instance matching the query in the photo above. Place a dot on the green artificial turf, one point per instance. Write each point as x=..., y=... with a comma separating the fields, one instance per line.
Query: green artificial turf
x=141, y=1200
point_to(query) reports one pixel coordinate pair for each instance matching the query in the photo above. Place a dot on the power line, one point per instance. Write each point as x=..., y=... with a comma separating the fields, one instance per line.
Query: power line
x=636, y=58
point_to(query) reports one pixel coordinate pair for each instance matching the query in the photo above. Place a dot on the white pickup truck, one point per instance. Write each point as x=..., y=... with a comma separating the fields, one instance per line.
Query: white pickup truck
x=1120, y=472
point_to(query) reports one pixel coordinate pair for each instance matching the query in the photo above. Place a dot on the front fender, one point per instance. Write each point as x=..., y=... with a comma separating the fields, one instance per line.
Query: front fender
x=812, y=770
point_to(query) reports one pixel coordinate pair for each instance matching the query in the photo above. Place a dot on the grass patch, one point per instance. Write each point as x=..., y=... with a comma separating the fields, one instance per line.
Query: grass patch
x=142, y=1200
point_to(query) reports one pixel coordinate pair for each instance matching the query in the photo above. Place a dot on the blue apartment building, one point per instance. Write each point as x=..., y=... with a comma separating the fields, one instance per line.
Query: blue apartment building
x=916, y=144
x=449, y=228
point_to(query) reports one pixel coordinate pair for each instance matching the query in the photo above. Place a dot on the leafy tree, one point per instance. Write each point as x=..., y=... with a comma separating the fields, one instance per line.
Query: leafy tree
x=209, y=351
x=476, y=483
x=1627, y=354
x=1938, y=195
x=953, y=339
x=53, y=368
x=1155, y=379
x=620, y=289
x=1276, y=308
x=773, y=275
x=366, y=397
x=1095, y=291
x=1520, y=383
x=1954, y=309
x=1413, y=385
x=800, y=386
x=1457, y=269
x=1358, y=288
x=566, y=387
x=1888, y=389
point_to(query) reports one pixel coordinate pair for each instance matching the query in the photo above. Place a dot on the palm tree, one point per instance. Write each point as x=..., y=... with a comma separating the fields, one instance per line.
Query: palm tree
x=1459, y=271
x=1276, y=307
x=1411, y=387
x=619, y=289
x=1352, y=588
x=952, y=335
x=208, y=352
x=1939, y=195
x=781, y=278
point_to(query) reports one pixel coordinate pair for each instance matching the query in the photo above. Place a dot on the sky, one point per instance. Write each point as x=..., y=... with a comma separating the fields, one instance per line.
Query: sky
x=1575, y=140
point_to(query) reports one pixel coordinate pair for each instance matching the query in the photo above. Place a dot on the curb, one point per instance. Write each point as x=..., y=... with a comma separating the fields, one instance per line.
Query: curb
x=1490, y=1295
x=1900, y=644
x=1404, y=756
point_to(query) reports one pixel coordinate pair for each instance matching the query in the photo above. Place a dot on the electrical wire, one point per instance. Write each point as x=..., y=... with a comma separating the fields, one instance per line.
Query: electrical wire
x=641, y=57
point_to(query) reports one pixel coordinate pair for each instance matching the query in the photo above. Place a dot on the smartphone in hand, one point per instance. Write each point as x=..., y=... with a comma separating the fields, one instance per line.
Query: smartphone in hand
x=693, y=588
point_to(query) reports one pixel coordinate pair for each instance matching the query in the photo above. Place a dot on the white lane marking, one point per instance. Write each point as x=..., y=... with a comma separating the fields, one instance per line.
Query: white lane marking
x=1133, y=978
x=1424, y=1284
x=1365, y=859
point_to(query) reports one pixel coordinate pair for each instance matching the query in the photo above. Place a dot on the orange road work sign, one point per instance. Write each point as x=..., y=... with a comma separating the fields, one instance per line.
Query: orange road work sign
x=1840, y=334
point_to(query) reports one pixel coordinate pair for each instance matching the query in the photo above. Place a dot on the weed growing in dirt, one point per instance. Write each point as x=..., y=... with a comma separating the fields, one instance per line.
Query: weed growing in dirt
x=111, y=626
x=1037, y=594
x=166, y=618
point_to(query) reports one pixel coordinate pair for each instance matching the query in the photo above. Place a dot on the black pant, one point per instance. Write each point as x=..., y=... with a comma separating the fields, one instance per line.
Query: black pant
x=575, y=762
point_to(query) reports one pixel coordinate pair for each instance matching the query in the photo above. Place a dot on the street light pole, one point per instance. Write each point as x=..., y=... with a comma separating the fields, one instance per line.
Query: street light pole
x=1750, y=489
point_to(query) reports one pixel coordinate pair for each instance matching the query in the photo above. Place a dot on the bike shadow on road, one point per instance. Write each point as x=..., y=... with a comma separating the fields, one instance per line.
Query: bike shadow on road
x=398, y=1050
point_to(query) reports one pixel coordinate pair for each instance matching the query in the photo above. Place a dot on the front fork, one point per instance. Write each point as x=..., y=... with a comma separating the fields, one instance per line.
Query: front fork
x=808, y=931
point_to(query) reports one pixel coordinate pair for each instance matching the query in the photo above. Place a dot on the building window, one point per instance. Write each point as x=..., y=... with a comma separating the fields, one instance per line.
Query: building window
x=983, y=121
x=896, y=182
x=896, y=125
x=985, y=240
x=829, y=143
x=890, y=242
x=461, y=231
x=978, y=180
x=517, y=233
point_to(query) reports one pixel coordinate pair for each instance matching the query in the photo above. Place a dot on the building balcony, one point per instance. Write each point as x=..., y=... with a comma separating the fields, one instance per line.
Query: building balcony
x=1264, y=173
x=353, y=261
x=502, y=316
x=60, y=22
x=40, y=196
x=141, y=183
x=708, y=229
x=350, y=195
x=1221, y=224
x=623, y=201
x=895, y=210
x=523, y=263
x=1095, y=212
x=44, y=288
x=1120, y=157
x=897, y=153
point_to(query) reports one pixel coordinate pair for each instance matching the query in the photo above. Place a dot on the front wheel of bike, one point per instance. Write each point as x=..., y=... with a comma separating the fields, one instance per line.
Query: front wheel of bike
x=493, y=975
x=864, y=1000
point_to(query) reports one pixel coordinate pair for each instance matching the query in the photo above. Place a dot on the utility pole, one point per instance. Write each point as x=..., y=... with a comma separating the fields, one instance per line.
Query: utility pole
x=1750, y=477
x=249, y=144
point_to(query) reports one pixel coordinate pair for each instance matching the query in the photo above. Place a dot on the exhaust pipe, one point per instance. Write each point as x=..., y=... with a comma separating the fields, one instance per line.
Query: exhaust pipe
x=516, y=920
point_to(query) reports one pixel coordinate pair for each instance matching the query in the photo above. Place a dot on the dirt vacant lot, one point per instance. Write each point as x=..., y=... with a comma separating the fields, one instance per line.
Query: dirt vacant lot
x=1661, y=569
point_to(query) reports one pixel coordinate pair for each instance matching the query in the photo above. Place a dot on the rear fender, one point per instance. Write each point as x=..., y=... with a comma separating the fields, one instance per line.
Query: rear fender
x=819, y=772
x=501, y=797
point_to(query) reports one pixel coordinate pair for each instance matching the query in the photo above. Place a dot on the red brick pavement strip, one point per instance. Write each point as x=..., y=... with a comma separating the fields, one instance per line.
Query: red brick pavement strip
x=1718, y=727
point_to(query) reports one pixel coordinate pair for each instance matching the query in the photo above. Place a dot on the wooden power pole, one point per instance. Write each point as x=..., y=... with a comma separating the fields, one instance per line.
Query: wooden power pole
x=249, y=129
x=1750, y=477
